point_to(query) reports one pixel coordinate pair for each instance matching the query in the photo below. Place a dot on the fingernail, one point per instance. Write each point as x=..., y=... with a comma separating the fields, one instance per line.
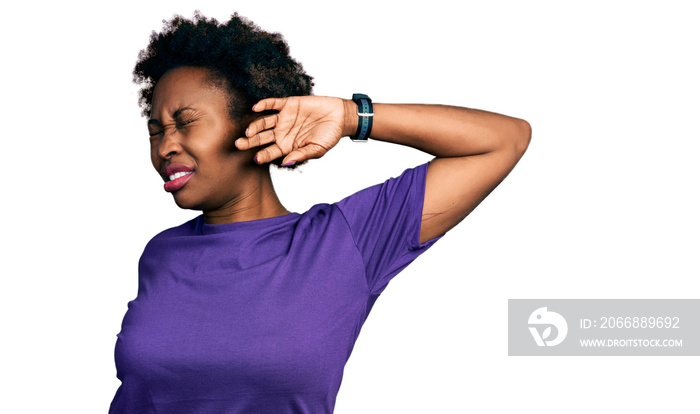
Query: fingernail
x=255, y=159
x=289, y=163
x=254, y=107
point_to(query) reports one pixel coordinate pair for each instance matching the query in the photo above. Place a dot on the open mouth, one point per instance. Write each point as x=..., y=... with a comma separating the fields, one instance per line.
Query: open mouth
x=175, y=176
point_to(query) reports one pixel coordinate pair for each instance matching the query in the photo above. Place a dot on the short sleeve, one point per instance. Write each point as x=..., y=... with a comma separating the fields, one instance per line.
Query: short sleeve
x=385, y=224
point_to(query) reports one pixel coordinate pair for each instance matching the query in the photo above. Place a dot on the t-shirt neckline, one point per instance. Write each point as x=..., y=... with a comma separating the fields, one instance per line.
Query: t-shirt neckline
x=205, y=228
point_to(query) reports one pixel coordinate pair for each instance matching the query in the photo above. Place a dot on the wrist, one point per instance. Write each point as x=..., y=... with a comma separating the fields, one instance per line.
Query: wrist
x=350, y=117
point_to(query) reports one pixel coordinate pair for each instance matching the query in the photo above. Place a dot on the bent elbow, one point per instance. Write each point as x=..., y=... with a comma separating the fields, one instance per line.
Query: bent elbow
x=522, y=137
x=516, y=140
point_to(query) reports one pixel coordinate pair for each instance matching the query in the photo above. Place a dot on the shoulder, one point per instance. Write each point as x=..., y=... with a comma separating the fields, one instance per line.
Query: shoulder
x=185, y=229
x=392, y=196
x=409, y=179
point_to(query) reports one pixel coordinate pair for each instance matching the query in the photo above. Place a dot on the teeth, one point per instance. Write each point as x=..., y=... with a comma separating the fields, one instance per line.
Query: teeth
x=178, y=175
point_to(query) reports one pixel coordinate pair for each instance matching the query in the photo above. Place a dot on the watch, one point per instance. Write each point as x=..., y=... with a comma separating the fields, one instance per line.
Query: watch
x=365, y=113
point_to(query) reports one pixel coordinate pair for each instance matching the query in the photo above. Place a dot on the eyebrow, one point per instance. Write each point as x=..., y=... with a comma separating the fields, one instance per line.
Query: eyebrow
x=177, y=113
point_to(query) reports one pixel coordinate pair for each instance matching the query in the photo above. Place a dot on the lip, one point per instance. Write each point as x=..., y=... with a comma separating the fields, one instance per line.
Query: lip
x=178, y=183
x=171, y=169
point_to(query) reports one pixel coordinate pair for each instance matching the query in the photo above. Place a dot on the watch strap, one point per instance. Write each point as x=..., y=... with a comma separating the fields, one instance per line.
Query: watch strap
x=365, y=114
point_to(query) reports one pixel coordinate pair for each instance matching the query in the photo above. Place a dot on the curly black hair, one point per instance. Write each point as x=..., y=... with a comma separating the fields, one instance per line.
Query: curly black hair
x=248, y=62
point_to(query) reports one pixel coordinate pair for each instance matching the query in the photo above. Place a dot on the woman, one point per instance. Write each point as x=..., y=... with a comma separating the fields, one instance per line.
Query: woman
x=249, y=308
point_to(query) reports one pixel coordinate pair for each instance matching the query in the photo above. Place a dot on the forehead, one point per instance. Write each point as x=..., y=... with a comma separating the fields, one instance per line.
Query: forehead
x=186, y=86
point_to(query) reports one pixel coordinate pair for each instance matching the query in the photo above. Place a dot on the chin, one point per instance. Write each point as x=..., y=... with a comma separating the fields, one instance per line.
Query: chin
x=187, y=203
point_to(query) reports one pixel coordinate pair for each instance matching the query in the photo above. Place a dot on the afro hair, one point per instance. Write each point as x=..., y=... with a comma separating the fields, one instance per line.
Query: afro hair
x=250, y=63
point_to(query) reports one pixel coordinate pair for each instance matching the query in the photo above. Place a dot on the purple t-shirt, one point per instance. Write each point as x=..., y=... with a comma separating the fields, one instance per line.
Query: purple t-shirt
x=261, y=316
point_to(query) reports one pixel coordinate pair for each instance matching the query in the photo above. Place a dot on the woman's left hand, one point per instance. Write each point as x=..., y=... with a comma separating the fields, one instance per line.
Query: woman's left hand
x=305, y=127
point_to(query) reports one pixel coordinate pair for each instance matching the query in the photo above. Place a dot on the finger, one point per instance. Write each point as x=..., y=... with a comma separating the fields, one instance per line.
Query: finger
x=302, y=154
x=269, y=104
x=261, y=124
x=263, y=138
x=268, y=154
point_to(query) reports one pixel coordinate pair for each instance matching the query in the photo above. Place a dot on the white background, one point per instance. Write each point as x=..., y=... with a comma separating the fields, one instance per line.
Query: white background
x=603, y=205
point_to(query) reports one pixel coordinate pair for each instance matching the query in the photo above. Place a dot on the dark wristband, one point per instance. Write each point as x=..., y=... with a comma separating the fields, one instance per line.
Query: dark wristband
x=365, y=114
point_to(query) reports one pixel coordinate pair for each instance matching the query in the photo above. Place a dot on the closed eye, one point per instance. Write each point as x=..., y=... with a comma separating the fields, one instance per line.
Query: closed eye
x=183, y=123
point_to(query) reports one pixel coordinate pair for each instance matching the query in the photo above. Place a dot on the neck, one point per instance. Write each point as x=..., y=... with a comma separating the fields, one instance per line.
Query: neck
x=258, y=201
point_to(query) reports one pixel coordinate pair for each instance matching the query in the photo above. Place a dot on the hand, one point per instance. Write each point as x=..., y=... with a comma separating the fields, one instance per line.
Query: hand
x=305, y=127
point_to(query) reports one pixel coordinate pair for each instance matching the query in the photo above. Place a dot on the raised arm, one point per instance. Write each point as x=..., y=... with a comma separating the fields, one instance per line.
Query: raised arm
x=475, y=150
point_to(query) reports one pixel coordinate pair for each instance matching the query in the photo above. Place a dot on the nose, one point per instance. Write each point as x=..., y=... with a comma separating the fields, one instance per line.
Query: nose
x=169, y=145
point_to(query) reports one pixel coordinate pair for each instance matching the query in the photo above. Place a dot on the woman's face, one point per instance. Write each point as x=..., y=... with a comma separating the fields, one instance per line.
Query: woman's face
x=192, y=142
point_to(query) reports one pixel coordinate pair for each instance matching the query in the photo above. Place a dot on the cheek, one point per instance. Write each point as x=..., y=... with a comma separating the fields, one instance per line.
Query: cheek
x=225, y=144
x=217, y=148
